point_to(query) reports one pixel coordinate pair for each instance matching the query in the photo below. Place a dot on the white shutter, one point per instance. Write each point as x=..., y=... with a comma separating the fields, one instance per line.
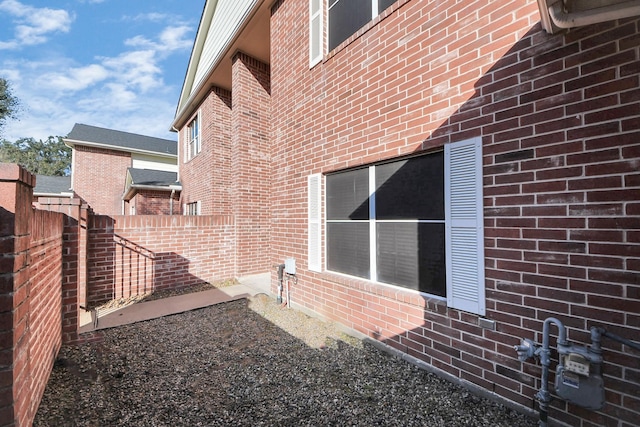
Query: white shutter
x=315, y=32
x=314, y=250
x=464, y=226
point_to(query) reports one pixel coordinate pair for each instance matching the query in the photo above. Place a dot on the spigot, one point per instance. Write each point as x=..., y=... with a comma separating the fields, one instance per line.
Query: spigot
x=526, y=349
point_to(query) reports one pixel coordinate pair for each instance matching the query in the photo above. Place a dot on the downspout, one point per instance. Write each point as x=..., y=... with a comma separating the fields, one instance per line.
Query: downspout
x=173, y=191
x=563, y=19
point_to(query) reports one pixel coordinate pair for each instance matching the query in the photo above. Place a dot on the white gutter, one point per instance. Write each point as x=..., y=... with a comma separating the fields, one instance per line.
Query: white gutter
x=562, y=19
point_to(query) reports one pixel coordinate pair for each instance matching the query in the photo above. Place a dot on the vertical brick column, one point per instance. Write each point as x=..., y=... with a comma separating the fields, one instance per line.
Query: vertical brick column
x=16, y=194
x=74, y=260
x=251, y=162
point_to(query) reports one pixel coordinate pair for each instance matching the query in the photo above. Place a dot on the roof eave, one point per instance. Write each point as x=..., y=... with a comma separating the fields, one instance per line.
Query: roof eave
x=71, y=143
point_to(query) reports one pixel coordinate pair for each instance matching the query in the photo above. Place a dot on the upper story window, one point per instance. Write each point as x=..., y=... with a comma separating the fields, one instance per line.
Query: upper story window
x=345, y=17
x=193, y=138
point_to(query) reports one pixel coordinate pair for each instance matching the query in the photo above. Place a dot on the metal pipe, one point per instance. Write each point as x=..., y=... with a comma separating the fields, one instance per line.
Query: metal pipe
x=602, y=331
x=545, y=360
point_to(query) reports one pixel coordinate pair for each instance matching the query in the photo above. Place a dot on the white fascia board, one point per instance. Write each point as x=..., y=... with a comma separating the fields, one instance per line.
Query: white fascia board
x=71, y=143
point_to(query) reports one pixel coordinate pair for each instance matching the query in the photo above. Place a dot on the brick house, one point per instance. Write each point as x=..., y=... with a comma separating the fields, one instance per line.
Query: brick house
x=447, y=175
x=105, y=163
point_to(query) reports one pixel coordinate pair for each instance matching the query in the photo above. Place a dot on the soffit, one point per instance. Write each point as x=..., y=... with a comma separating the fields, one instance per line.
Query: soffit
x=226, y=27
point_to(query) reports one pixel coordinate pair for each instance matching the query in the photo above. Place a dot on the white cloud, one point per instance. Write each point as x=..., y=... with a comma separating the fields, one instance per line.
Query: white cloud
x=169, y=40
x=33, y=25
x=75, y=79
x=125, y=92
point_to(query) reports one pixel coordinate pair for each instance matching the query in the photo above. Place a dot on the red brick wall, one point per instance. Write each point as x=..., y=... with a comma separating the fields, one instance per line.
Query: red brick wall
x=30, y=298
x=559, y=117
x=98, y=178
x=131, y=255
x=150, y=202
x=207, y=177
x=251, y=162
x=74, y=261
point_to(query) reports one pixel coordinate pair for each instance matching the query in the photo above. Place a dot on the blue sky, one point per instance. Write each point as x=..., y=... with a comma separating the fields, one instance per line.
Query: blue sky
x=118, y=64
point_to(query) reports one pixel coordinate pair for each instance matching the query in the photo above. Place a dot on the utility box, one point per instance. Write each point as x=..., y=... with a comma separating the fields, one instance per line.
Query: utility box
x=290, y=266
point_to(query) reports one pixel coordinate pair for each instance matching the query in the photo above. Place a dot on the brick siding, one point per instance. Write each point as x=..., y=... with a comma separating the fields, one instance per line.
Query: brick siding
x=98, y=178
x=153, y=202
x=559, y=118
x=251, y=162
x=200, y=179
x=30, y=296
x=133, y=255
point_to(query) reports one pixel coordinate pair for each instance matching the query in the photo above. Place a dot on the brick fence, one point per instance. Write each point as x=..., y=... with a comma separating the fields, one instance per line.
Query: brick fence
x=59, y=257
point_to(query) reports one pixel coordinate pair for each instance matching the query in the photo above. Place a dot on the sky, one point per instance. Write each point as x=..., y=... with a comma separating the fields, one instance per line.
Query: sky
x=118, y=64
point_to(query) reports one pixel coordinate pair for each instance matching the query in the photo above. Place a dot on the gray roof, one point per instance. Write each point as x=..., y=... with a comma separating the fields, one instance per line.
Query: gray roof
x=52, y=184
x=153, y=177
x=121, y=140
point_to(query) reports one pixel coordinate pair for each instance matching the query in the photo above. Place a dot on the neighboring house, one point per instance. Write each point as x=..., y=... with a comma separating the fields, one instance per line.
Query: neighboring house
x=102, y=165
x=447, y=175
x=52, y=186
x=152, y=192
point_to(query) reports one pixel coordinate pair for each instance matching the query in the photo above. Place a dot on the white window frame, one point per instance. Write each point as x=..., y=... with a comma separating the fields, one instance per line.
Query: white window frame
x=192, y=208
x=464, y=226
x=193, y=142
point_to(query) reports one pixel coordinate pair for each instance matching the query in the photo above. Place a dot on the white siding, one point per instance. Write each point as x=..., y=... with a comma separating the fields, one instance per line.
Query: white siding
x=227, y=19
x=145, y=161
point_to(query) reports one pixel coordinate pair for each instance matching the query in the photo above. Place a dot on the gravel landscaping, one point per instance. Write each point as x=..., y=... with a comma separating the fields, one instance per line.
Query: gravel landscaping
x=250, y=363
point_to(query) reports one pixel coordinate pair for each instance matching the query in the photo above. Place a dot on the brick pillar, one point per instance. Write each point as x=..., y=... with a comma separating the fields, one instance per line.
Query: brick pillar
x=251, y=162
x=74, y=261
x=16, y=195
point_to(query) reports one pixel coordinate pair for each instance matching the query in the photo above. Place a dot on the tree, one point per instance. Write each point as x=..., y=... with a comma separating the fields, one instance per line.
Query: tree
x=51, y=157
x=8, y=103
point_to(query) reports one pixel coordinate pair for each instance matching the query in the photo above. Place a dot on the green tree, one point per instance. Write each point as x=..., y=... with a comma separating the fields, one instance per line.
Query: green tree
x=51, y=157
x=8, y=103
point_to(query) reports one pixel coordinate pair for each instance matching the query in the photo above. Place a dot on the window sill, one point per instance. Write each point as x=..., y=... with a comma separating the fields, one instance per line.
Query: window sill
x=407, y=296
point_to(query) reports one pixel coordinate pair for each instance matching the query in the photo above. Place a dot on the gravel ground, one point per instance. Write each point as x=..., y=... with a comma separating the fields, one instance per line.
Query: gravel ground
x=250, y=363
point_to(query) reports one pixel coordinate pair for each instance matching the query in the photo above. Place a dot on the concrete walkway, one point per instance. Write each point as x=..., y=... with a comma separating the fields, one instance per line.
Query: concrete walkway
x=138, y=312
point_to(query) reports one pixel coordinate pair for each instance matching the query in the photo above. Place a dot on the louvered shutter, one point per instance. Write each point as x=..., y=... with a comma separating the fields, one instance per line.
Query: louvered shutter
x=315, y=32
x=314, y=215
x=464, y=226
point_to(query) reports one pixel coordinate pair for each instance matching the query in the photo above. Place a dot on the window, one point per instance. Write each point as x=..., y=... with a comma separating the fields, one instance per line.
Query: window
x=414, y=223
x=192, y=208
x=347, y=16
x=193, y=138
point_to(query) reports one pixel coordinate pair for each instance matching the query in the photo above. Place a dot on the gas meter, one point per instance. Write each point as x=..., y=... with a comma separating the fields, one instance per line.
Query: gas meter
x=578, y=379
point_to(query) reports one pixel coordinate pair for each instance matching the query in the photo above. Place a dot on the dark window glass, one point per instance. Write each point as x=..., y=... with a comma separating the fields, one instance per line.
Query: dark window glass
x=412, y=255
x=348, y=248
x=345, y=18
x=383, y=4
x=411, y=189
x=348, y=195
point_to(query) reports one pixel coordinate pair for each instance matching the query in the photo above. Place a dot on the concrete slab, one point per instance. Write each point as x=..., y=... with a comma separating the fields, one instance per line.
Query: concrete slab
x=138, y=312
